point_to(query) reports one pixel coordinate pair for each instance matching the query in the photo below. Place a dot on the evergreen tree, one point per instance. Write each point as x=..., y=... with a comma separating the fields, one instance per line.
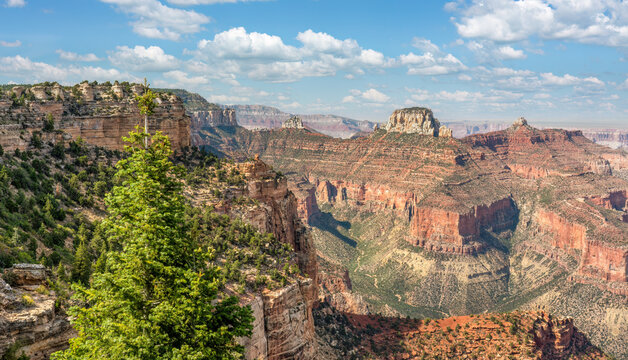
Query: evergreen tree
x=159, y=296
x=61, y=273
x=82, y=267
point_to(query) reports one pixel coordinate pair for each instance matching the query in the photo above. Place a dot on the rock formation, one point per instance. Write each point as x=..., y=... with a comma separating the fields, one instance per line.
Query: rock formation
x=28, y=318
x=416, y=121
x=293, y=123
x=213, y=117
x=100, y=114
x=469, y=198
x=284, y=325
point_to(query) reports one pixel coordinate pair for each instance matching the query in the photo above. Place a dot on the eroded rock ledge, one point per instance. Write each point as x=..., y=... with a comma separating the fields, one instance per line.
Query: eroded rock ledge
x=99, y=114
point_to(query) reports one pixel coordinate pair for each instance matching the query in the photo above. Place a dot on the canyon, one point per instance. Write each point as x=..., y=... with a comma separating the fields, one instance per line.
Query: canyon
x=405, y=221
x=430, y=225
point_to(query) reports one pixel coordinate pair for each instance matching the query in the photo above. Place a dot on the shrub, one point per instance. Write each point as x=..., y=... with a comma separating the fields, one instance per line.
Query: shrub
x=27, y=301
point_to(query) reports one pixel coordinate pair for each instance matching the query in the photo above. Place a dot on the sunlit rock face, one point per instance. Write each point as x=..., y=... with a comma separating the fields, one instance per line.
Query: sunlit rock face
x=416, y=120
x=100, y=114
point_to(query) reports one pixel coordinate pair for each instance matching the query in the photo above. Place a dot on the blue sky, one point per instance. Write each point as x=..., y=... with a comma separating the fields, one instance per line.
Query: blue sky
x=560, y=62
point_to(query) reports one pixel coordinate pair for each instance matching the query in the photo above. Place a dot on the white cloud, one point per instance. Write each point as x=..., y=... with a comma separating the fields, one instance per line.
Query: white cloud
x=507, y=53
x=227, y=99
x=267, y=58
x=425, y=45
x=16, y=43
x=566, y=80
x=182, y=79
x=431, y=64
x=596, y=22
x=492, y=97
x=348, y=99
x=374, y=95
x=28, y=71
x=464, y=77
x=143, y=59
x=503, y=71
x=156, y=20
x=236, y=43
x=15, y=3
x=70, y=56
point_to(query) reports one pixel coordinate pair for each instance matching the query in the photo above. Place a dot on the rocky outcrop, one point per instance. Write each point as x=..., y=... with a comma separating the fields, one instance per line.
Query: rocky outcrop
x=99, y=114
x=294, y=122
x=213, y=116
x=335, y=289
x=416, y=121
x=305, y=192
x=284, y=325
x=557, y=338
x=447, y=231
x=278, y=214
x=598, y=259
x=27, y=275
x=29, y=319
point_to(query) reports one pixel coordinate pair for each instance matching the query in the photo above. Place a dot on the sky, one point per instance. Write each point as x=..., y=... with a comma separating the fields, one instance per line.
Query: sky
x=556, y=62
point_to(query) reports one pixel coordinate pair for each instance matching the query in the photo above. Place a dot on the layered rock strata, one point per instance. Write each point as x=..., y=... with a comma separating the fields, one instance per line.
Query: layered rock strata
x=99, y=114
x=213, y=116
x=294, y=122
x=416, y=121
x=284, y=325
x=29, y=319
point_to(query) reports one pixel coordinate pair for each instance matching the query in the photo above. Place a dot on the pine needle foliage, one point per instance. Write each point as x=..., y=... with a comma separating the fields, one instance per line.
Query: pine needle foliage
x=159, y=295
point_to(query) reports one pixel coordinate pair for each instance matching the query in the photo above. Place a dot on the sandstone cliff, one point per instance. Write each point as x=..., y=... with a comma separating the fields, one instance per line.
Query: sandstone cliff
x=29, y=319
x=100, y=114
x=416, y=121
x=212, y=117
x=284, y=325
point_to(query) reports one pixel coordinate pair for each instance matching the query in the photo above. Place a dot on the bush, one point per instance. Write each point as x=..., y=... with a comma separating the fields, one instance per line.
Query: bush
x=27, y=301
x=9, y=277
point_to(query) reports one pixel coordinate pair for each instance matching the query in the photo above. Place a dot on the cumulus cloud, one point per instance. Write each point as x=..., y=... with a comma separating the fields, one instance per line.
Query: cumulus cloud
x=431, y=64
x=593, y=22
x=266, y=57
x=26, y=70
x=227, y=99
x=16, y=43
x=15, y=3
x=143, y=59
x=375, y=96
x=156, y=20
x=70, y=56
x=182, y=79
x=370, y=96
x=566, y=80
x=507, y=53
x=237, y=43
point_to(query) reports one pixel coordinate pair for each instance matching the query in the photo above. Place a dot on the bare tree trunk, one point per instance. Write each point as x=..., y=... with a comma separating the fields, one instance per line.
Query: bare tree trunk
x=146, y=131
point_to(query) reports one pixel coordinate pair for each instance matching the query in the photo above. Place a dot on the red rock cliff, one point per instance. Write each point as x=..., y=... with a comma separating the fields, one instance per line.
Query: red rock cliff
x=100, y=114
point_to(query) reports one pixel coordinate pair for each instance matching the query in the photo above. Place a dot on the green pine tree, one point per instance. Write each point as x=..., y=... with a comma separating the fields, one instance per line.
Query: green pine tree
x=82, y=267
x=160, y=296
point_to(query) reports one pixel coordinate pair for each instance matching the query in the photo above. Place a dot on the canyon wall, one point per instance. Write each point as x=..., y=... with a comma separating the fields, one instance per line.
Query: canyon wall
x=99, y=114
x=284, y=325
x=29, y=319
x=213, y=116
